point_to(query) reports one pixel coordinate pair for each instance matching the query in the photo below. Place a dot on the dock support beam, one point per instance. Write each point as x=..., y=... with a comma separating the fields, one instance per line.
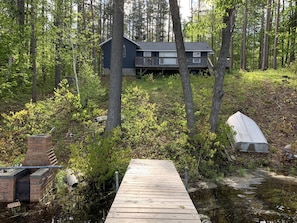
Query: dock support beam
x=186, y=179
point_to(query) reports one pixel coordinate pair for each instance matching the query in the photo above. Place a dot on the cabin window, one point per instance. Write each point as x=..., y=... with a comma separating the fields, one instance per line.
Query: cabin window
x=147, y=53
x=147, y=58
x=196, y=57
x=124, y=51
x=168, y=58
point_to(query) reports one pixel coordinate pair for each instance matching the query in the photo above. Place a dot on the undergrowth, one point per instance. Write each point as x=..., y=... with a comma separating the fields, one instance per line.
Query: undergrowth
x=154, y=124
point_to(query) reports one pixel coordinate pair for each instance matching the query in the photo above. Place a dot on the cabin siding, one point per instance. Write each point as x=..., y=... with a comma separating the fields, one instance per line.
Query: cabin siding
x=128, y=61
x=130, y=54
x=106, y=49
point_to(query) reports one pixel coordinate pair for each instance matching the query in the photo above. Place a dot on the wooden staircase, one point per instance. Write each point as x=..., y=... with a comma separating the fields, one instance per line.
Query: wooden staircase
x=210, y=67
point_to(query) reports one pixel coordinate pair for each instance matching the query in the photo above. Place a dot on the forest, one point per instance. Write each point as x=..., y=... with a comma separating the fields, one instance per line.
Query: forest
x=51, y=76
x=43, y=42
x=52, y=81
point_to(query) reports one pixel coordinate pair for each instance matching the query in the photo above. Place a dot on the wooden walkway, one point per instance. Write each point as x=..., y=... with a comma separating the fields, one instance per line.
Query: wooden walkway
x=152, y=191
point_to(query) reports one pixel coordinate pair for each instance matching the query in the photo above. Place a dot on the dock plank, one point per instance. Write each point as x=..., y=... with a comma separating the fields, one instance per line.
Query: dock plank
x=152, y=192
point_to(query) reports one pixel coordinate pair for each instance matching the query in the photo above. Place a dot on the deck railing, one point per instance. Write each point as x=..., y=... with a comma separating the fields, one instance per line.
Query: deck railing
x=148, y=62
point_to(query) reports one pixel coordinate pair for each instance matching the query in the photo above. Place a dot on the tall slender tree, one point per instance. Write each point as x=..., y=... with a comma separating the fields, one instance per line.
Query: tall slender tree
x=33, y=51
x=218, y=92
x=21, y=11
x=115, y=81
x=275, y=43
x=243, y=58
x=265, y=53
x=58, y=43
x=183, y=69
x=292, y=31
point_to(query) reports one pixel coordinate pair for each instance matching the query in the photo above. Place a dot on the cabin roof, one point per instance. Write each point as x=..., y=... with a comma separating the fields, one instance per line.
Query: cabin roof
x=167, y=46
x=170, y=46
x=135, y=43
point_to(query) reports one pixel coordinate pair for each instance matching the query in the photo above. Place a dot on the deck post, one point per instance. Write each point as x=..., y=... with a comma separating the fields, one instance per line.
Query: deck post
x=186, y=178
x=117, y=180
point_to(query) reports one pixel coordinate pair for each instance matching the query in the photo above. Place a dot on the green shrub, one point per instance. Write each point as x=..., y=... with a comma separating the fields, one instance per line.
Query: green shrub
x=207, y=148
x=38, y=118
x=98, y=157
x=89, y=85
x=157, y=132
x=141, y=125
x=13, y=85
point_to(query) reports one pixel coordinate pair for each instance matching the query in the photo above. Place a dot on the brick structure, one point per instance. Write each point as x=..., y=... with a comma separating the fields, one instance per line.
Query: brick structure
x=8, y=185
x=40, y=152
x=35, y=183
x=40, y=183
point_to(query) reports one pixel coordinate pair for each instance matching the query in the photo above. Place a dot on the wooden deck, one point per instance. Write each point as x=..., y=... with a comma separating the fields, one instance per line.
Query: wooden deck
x=152, y=191
x=170, y=62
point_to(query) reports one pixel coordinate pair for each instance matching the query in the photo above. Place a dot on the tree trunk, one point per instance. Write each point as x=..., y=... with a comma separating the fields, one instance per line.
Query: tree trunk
x=231, y=56
x=169, y=27
x=283, y=51
x=115, y=81
x=275, y=44
x=265, y=53
x=43, y=33
x=261, y=38
x=21, y=9
x=58, y=44
x=94, y=55
x=220, y=70
x=293, y=26
x=158, y=23
x=33, y=52
x=183, y=69
x=243, y=44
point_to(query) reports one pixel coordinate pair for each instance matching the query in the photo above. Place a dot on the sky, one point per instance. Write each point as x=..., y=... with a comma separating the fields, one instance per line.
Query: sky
x=185, y=9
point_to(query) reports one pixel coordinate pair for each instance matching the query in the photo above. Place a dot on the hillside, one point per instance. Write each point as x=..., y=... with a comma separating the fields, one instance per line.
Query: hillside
x=270, y=99
x=154, y=124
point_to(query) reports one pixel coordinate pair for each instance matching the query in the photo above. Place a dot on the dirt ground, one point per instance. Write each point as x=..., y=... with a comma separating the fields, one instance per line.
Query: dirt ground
x=274, y=110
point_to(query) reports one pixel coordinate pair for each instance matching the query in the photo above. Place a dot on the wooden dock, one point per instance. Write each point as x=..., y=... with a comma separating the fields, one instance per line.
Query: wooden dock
x=152, y=191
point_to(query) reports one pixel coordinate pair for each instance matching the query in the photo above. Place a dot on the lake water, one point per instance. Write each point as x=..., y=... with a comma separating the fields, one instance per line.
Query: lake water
x=256, y=197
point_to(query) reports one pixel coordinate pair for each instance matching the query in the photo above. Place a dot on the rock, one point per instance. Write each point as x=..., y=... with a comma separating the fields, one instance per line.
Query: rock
x=71, y=178
x=287, y=148
x=206, y=185
x=247, y=182
x=289, y=154
x=103, y=118
x=204, y=218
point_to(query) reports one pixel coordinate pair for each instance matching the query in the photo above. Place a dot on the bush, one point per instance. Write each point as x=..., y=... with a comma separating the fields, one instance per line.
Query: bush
x=38, y=118
x=207, y=148
x=156, y=132
x=89, y=85
x=98, y=157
